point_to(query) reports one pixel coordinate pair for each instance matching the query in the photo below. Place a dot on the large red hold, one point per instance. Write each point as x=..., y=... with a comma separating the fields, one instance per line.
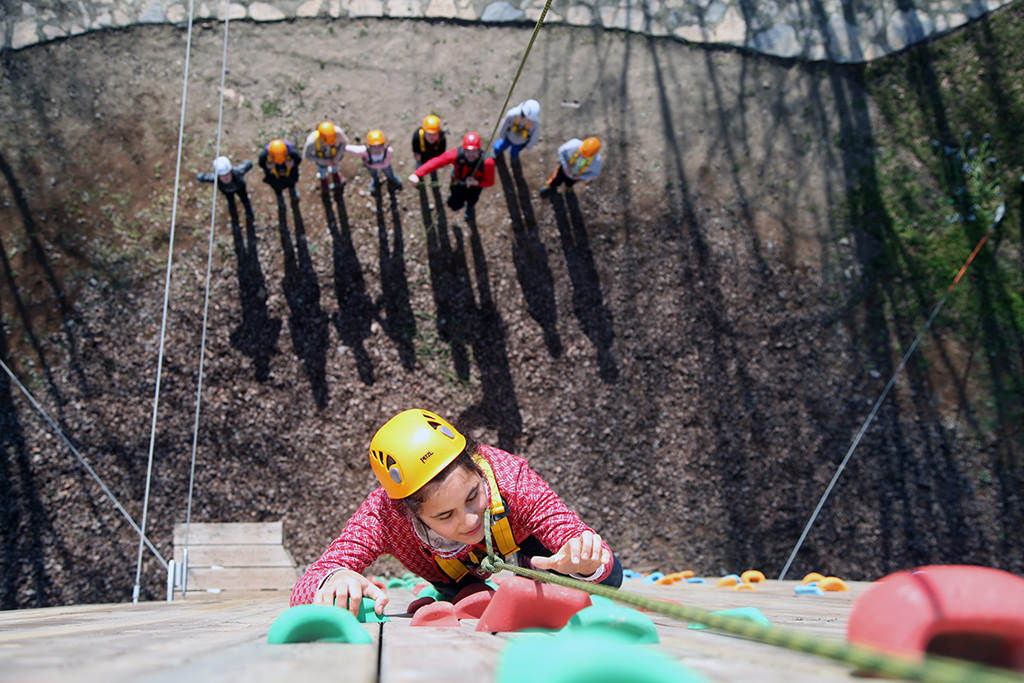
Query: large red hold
x=974, y=613
x=521, y=603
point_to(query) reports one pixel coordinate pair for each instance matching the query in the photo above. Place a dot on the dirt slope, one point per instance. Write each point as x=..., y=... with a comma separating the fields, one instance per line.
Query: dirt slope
x=679, y=348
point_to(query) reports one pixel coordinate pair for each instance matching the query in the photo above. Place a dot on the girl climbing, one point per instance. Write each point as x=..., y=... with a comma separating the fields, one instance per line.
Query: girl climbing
x=429, y=514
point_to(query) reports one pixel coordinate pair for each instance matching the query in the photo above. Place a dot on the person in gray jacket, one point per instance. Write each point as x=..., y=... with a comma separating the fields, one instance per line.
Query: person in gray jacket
x=325, y=147
x=230, y=181
x=519, y=129
x=577, y=160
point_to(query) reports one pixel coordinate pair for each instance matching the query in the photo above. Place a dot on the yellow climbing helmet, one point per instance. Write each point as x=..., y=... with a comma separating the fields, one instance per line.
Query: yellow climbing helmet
x=411, y=449
x=590, y=147
x=326, y=131
x=431, y=124
x=375, y=137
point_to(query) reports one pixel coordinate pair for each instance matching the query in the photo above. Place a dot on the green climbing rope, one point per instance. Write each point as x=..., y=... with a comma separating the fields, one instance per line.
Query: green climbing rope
x=931, y=669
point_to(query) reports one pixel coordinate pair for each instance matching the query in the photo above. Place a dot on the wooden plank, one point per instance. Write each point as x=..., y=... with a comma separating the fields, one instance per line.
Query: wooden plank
x=243, y=533
x=423, y=654
x=236, y=556
x=242, y=578
x=195, y=639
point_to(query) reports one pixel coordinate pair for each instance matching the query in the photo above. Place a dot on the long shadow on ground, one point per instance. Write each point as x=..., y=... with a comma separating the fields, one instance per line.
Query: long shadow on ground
x=355, y=308
x=308, y=321
x=398, y=322
x=530, y=256
x=256, y=336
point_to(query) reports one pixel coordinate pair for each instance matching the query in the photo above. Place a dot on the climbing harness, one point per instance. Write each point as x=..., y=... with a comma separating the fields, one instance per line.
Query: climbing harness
x=574, y=158
x=333, y=149
x=522, y=129
x=878, y=404
x=496, y=518
x=931, y=669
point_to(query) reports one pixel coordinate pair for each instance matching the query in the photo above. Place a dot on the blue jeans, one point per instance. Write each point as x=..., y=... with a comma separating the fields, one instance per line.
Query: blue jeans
x=503, y=144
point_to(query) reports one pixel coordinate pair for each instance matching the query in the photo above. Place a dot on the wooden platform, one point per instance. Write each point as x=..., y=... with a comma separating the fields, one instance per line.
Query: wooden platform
x=222, y=638
x=238, y=556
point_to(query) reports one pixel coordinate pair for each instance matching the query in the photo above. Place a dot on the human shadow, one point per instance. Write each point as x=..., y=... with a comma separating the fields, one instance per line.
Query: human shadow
x=308, y=321
x=587, y=298
x=498, y=405
x=398, y=321
x=449, y=277
x=256, y=336
x=355, y=307
x=529, y=255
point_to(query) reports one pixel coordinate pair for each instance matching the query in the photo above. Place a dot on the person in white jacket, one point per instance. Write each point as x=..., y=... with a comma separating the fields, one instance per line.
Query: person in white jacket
x=577, y=160
x=376, y=156
x=325, y=147
x=519, y=129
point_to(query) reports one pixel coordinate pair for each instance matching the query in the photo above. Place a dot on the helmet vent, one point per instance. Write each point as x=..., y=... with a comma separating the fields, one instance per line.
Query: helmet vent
x=438, y=427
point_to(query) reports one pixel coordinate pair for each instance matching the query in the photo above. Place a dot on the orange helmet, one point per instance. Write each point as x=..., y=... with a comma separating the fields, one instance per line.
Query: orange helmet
x=590, y=147
x=375, y=137
x=411, y=449
x=277, y=151
x=326, y=131
x=431, y=124
x=470, y=141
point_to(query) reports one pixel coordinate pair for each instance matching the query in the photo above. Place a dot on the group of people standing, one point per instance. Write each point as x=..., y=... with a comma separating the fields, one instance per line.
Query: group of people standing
x=472, y=171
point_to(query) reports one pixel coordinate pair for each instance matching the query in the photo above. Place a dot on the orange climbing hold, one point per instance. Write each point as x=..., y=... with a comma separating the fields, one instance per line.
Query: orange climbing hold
x=974, y=613
x=752, y=576
x=833, y=584
x=521, y=603
x=730, y=580
x=743, y=587
x=812, y=577
x=665, y=581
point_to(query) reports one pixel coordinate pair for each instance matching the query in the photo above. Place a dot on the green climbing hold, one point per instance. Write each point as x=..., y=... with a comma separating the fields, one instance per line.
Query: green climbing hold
x=367, y=615
x=395, y=582
x=749, y=613
x=623, y=623
x=587, y=657
x=431, y=592
x=317, y=624
x=409, y=576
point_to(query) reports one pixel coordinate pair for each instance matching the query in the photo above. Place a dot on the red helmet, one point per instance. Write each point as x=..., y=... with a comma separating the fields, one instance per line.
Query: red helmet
x=470, y=141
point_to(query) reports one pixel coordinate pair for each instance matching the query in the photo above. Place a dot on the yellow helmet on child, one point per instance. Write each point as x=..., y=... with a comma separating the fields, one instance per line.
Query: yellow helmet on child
x=375, y=137
x=411, y=449
x=277, y=151
x=590, y=147
x=431, y=124
x=327, y=133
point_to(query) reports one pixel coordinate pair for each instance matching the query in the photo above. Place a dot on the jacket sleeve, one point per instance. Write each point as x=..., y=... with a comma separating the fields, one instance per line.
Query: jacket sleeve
x=242, y=168
x=545, y=516
x=534, y=134
x=360, y=543
x=205, y=177
x=488, y=178
x=309, y=149
x=593, y=170
x=437, y=162
x=262, y=159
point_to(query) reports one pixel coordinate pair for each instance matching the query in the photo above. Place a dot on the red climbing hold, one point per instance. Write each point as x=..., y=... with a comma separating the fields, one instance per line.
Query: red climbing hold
x=470, y=590
x=521, y=603
x=436, y=614
x=417, y=603
x=378, y=583
x=473, y=605
x=415, y=590
x=974, y=613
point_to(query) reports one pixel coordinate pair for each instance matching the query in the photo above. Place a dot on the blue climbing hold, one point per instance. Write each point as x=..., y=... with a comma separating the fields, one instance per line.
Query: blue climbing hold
x=748, y=613
x=628, y=574
x=809, y=589
x=696, y=579
x=317, y=624
x=651, y=578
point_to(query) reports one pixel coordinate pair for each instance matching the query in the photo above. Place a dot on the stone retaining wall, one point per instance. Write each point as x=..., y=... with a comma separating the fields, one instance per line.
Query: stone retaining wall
x=816, y=30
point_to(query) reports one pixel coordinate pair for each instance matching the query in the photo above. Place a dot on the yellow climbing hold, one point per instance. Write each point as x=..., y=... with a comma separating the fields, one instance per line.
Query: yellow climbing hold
x=727, y=581
x=832, y=583
x=813, y=576
x=752, y=576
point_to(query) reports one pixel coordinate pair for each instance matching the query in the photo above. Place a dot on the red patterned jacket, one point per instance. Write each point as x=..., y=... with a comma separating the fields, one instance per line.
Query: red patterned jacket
x=382, y=526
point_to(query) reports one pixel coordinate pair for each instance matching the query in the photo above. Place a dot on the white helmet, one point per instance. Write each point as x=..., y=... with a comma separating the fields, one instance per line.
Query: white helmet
x=222, y=166
x=531, y=109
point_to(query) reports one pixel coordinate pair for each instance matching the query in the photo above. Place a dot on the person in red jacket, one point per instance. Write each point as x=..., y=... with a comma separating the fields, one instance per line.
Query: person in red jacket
x=469, y=176
x=429, y=514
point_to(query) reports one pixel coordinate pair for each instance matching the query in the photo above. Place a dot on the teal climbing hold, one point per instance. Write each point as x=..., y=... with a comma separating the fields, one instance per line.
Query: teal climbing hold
x=367, y=615
x=587, y=657
x=317, y=623
x=651, y=578
x=627, y=624
x=431, y=592
x=600, y=600
x=395, y=582
x=409, y=576
x=749, y=613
